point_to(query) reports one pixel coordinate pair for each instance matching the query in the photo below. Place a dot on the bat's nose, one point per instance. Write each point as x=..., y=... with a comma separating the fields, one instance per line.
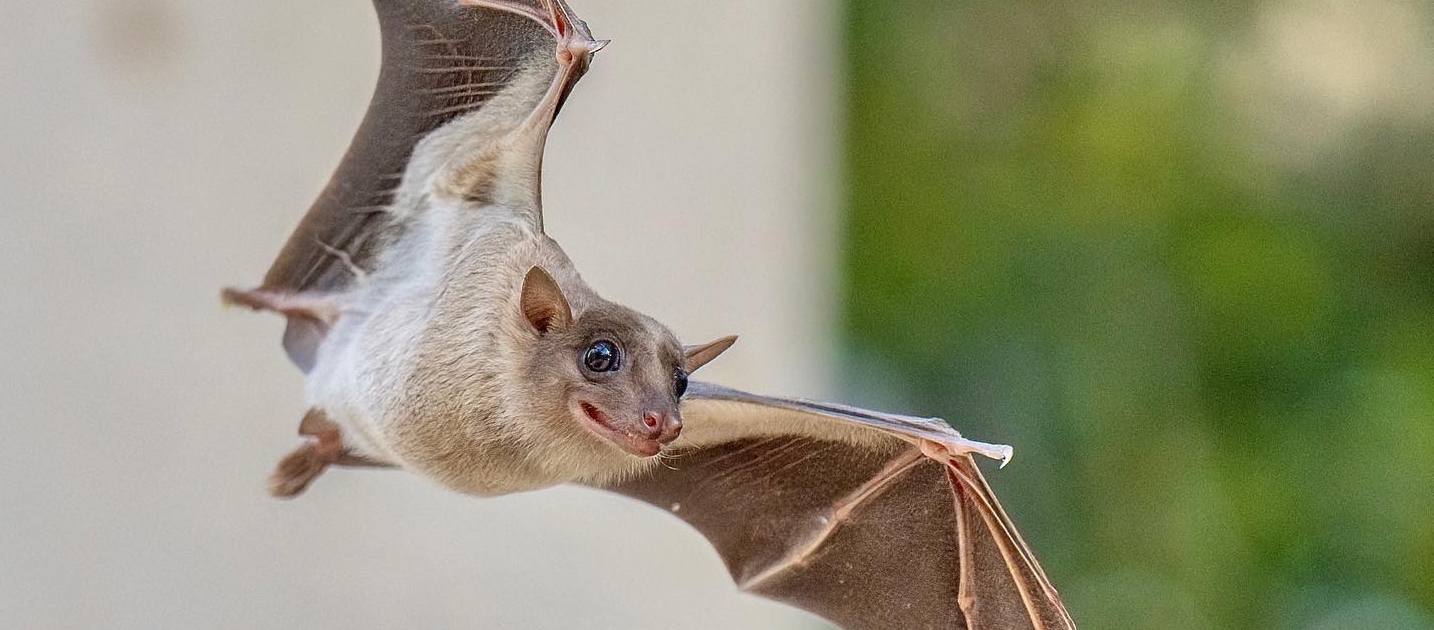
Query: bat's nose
x=663, y=427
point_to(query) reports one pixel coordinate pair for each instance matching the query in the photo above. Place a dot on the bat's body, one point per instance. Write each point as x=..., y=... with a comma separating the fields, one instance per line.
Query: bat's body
x=404, y=410
x=444, y=333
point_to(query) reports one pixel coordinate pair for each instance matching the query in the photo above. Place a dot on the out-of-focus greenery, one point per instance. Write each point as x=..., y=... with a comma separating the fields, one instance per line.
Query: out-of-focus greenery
x=1181, y=255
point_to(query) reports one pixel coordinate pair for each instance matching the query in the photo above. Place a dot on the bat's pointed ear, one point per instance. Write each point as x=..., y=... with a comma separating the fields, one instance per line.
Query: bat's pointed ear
x=694, y=357
x=543, y=303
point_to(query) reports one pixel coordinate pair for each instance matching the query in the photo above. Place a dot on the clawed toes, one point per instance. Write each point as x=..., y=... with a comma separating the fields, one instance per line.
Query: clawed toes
x=296, y=471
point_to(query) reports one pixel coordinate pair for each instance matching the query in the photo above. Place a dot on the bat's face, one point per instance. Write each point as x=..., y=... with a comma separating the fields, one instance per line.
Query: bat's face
x=617, y=374
x=625, y=379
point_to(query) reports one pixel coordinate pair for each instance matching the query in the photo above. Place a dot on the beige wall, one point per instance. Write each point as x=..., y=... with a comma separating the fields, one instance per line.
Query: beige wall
x=154, y=150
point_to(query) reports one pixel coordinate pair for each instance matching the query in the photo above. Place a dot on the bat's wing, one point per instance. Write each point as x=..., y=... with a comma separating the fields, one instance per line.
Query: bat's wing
x=466, y=92
x=442, y=59
x=874, y=521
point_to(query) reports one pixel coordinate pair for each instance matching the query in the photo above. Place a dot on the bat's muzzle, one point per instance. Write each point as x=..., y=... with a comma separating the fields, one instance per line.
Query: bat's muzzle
x=662, y=426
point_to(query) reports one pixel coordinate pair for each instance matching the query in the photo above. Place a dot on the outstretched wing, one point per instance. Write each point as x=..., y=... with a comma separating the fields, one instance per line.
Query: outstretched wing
x=466, y=93
x=874, y=521
x=442, y=60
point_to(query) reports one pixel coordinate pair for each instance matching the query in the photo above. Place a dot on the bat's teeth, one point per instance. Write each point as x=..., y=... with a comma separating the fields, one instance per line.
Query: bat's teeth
x=598, y=45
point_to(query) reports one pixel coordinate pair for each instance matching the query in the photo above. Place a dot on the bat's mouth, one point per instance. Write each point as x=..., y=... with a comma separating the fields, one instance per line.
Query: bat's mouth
x=629, y=441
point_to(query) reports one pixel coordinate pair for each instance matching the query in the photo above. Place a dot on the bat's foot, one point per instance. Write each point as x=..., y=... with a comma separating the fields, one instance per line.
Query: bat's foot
x=298, y=469
x=304, y=464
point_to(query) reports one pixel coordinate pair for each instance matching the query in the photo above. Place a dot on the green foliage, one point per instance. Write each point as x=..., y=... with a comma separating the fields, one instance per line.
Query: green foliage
x=1195, y=293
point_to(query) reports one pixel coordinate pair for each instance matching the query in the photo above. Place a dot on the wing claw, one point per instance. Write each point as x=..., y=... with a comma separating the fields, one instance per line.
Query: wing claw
x=934, y=436
x=945, y=450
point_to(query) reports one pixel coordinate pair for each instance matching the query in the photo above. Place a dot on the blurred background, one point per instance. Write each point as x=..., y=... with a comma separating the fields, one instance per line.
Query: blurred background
x=1180, y=255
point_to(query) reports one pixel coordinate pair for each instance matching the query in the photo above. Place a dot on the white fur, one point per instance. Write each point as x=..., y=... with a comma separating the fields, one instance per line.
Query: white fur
x=420, y=368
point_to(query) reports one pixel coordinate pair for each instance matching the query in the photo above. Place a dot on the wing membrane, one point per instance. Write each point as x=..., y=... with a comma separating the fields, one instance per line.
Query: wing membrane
x=441, y=60
x=865, y=528
x=515, y=61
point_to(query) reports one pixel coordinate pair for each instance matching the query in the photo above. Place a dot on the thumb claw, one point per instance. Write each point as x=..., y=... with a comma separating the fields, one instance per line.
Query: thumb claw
x=1006, y=454
x=942, y=451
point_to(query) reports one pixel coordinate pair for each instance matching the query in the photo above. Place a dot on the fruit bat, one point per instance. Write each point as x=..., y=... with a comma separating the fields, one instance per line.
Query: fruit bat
x=442, y=332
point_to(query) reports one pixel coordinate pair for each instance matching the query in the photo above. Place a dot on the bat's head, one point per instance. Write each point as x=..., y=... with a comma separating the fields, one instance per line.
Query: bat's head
x=618, y=374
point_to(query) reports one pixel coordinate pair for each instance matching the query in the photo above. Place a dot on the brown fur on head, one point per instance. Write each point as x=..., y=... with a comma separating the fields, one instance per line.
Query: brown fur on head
x=502, y=397
x=614, y=373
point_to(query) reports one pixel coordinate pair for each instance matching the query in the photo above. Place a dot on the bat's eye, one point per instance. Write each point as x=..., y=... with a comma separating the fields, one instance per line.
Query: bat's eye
x=679, y=383
x=602, y=356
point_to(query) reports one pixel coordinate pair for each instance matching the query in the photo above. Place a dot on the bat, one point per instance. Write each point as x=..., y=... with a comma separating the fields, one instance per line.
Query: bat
x=442, y=332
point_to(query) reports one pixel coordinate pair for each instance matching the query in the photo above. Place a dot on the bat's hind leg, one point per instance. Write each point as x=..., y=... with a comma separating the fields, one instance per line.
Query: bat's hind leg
x=304, y=464
x=297, y=469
